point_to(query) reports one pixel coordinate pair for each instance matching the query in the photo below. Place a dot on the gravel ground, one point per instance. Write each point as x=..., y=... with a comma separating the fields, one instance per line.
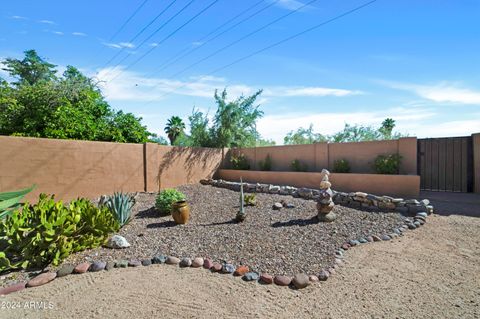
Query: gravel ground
x=288, y=241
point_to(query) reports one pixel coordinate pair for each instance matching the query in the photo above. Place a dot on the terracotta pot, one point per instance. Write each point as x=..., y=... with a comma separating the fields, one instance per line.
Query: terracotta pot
x=180, y=212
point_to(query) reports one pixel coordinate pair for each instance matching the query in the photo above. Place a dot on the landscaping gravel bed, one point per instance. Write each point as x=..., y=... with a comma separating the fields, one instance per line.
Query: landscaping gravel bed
x=285, y=241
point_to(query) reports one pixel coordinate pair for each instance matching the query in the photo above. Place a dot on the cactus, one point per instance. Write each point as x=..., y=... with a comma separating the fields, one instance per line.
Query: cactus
x=120, y=205
x=241, y=213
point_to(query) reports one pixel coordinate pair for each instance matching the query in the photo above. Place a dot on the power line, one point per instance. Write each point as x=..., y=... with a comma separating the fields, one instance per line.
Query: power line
x=153, y=33
x=128, y=20
x=296, y=35
x=168, y=36
x=181, y=54
x=140, y=32
x=243, y=38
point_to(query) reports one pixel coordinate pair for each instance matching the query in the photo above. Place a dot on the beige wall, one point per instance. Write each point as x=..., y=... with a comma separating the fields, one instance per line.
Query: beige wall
x=361, y=155
x=72, y=169
x=395, y=185
x=476, y=162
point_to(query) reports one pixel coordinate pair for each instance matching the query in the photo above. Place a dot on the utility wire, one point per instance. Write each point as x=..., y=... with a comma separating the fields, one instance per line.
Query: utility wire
x=183, y=53
x=128, y=20
x=140, y=32
x=167, y=37
x=152, y=34
x=243, y=38
x=296, y=35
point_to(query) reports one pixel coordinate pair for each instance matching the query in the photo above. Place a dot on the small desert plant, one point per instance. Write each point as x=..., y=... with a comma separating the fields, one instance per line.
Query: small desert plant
x=266, y=165
x=241, y=215
x=387, y=164
x=239, y=162
x=341, y=166
x=250, y=200
x=9, y=201
x=120, y=205
x=166, y=198
x=297, y=166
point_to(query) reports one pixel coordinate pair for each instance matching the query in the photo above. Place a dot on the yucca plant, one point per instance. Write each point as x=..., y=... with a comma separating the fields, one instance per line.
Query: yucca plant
x=241, y=213
x=120, y=204
x=9, y=201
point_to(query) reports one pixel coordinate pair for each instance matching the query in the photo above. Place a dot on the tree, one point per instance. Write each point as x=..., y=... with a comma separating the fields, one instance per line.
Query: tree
x=265, y=142
x=71, y=106
x=355, y=133
x=303, y=136
x=31, y=70
x=199, y=130
x=174, y=128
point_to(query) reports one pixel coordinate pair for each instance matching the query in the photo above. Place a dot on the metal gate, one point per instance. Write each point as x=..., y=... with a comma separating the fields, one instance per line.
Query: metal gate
x=446, y=164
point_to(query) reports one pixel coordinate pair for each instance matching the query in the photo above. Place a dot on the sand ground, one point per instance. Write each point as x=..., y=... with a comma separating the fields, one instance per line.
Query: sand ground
x=433, y=272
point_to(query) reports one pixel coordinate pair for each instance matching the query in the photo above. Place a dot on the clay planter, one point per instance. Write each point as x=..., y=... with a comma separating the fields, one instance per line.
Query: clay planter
x=180, y=212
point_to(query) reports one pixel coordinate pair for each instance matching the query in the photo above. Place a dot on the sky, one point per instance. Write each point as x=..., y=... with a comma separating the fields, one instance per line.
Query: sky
x=415, y=61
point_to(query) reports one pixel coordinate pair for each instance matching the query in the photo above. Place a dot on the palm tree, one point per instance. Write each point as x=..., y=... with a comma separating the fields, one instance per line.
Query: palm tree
x=174, y=128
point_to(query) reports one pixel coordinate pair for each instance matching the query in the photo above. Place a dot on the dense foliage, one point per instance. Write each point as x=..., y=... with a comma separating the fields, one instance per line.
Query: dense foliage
x=41, y=104
x=166, y=198
x=298, y=166
x=266, y=164
x=175, y=127
x=387, y=164
x=341, y=166
x=350, y=133
x=49, y=231
x=239, y=162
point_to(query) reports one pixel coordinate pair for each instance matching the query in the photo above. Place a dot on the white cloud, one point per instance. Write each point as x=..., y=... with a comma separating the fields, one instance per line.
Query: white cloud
x=46, y=22
x=79, y=34
x=112, y=45
x=120, y=45
x=19, y=18
x=57, y=32
x=308, y=91
x=197, y=43
x=127, y=45
x=290, y=4
x=443, y=92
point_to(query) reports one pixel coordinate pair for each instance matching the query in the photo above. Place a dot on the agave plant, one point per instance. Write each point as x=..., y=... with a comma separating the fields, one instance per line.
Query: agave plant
x=241, y=213
x=9, y=201
x=120, y=205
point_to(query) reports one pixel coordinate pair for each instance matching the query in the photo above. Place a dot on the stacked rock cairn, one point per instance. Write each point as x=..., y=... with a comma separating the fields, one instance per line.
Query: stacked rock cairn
x=325, y=203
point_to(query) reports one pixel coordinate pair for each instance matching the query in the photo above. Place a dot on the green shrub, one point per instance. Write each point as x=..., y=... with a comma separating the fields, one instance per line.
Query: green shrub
x=166, y=198
x=387, y=164
x=50, y=231
x=120, y=205
x=250, y=200
x=10, y=201
x=297, y=166
x=266, y=165
x=341, y=166
x=239, y=162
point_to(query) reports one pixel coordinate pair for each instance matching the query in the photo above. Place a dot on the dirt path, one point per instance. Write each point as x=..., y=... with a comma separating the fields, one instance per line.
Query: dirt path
x=433, y=272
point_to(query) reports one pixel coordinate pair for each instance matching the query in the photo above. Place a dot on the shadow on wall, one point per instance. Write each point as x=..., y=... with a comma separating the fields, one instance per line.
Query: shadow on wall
x=194, y=163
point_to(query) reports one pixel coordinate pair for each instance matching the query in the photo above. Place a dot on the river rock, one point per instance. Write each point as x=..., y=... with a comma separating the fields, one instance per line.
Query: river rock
x=216, y=267
x=207, y=263
x=282, y=280
x=42, y=279
x=134, y=263
x=313, y=278
x=171, y=260
x=300, y=281
x=97, y=266
x=385, y=237
x=185, y=262
x=228, y=269
x=12, y=288
x=346, y=246
x=422, y=214
x=159, y=259
x=81, y=268
x=110, y=265
x=241, y=270
x=266, y=279
x=65, y=270
x=376, y=238
x=277, y=206
x=121, y=264
x=117, y=242
x=146, y=262
x=323, y=275
x=251, y=276
x=330, y=217
x=197, y=262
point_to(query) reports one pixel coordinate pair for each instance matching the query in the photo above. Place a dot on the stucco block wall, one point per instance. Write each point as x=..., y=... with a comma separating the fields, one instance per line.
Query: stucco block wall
x=476, y=162
x=360, y=155
x=71, y=169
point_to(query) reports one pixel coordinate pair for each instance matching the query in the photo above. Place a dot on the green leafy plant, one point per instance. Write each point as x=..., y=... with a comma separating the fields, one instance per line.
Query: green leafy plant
x=241, y=215
x=166, y=198
x=298, y=166
x=266, y=165
x=387, y=164
x=120, y=205
x=9, y=201
x=341, y=166
x=239, y=162
x=50, y=231
x=250, y=200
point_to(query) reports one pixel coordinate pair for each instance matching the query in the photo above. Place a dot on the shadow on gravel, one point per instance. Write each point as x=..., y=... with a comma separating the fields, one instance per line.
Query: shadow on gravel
x=148, y=213
x=449, y=203
x=296, y=222
x=165, y=224
x=228, y=222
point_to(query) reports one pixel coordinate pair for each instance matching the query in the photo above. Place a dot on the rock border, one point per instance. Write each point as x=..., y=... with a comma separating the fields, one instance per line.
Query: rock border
x=420, y=209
